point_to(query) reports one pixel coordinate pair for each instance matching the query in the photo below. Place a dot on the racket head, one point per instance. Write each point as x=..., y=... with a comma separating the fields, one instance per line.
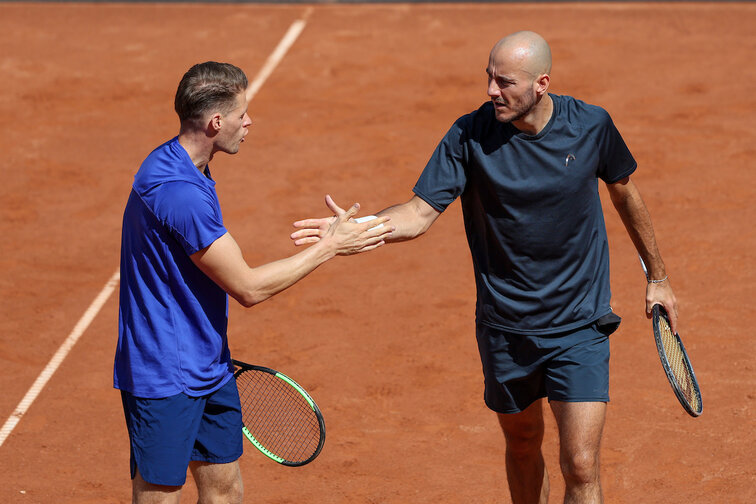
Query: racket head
x=676, y=364
x=279, y=416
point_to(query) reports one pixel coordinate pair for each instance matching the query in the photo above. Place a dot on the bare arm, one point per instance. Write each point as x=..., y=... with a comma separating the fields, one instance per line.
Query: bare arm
x=223, y=262
x=634, y=214
x=408, y=220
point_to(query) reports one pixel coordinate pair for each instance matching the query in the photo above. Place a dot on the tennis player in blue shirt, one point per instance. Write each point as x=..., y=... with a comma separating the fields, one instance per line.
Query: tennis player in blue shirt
x=178, y=265
x=526, y=167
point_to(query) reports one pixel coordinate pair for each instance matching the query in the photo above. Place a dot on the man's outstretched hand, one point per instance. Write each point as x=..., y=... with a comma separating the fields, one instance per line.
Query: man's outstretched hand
x=348, y=236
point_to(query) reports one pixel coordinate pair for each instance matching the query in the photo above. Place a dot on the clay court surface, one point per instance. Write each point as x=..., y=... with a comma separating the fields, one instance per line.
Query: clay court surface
x=384, y=341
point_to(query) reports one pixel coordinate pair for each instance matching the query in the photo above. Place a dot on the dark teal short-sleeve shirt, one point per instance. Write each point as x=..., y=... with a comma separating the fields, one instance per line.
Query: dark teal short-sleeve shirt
x=532, y=212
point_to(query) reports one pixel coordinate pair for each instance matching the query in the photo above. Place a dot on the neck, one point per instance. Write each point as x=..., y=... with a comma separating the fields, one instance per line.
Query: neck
x=537, y=118
x=196, y=145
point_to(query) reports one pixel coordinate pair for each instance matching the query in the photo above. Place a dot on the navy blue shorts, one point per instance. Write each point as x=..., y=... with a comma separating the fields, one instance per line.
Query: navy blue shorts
x=519, y=369
x=166, y=434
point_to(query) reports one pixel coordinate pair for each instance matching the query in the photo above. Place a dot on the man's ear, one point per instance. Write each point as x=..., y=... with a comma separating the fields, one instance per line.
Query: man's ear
x=216, y=121
x=542, y=84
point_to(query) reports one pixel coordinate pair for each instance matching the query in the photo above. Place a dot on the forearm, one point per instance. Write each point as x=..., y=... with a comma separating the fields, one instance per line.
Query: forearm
x=267, y=280
x=410, y=219
x=637, y=220
x=635, y=216
x=224, y=264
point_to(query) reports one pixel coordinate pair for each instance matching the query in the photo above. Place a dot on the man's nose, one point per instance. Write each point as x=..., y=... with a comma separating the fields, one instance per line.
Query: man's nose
x=493, y=89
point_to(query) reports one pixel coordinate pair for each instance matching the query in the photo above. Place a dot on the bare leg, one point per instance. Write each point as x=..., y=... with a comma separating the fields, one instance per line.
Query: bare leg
x=147, y=493
x=218, y=483
x=581, y=425
x=526, y=471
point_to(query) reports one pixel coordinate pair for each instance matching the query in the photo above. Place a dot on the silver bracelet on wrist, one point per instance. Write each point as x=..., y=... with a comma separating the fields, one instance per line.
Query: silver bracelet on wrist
x=658, y=281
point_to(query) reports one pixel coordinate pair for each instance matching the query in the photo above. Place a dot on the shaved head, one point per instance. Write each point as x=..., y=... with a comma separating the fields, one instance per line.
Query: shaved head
x=525, y=50
x=518, y=80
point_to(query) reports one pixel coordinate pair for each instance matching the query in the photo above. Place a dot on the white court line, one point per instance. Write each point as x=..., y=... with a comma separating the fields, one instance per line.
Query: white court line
x=270, y=64
x=61, y=354
x=277, y=55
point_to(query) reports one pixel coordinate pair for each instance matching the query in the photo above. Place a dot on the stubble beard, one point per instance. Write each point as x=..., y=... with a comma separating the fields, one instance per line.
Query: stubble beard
x=523, y=109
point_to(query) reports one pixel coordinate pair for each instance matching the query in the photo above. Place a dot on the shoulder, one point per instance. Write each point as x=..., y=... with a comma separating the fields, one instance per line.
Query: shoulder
x=181, y=192
x=575, y=110
x=186, y=207
x=170, y=184
x=592, y=120
x=167, y=163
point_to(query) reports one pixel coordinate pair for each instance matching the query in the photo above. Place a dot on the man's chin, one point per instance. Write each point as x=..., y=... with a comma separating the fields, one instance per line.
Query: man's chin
x=503, y=117
x=231, y=150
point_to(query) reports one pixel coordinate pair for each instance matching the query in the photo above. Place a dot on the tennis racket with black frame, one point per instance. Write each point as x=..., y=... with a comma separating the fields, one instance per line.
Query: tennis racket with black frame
x=674, y=359
x=280, y=418
x=676, y=363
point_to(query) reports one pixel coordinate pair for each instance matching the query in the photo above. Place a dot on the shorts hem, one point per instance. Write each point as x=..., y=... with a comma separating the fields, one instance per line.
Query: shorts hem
x=159, y=482
x=580, y=399
x=510, y=411
x=216, y=460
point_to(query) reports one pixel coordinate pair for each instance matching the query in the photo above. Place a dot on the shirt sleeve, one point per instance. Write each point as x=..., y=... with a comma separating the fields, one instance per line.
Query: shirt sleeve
x=444, y=177
x=191, y=214
x=616, y=162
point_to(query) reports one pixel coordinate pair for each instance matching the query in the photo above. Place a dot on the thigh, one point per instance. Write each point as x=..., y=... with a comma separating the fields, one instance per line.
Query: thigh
x=580, y=426
x=525, y=427
x=219, y=437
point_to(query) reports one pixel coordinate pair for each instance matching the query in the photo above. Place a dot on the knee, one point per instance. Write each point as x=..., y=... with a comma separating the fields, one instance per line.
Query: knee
x=234, y=492
x=227, y=491
x=524, y=441
x=580, y=468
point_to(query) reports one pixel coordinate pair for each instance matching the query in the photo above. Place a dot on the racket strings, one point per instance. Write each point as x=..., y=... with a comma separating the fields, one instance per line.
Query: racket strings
x=278, y=416
x=285, y=431
x=679, y=365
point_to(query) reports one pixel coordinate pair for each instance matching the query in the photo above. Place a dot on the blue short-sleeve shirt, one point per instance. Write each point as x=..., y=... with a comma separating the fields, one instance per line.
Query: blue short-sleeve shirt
x=172, y=317
x=532, y=212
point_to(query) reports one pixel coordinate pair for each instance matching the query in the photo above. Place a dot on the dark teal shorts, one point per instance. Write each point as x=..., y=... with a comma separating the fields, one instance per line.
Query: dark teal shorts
x=166, y=434
x=519, y=369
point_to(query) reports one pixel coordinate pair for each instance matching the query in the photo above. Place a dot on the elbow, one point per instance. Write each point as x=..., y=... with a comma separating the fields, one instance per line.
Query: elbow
x=425, y=226
x=407, y=233
x=249, y=290
x=422, y=225
x=247, y=302
x=249, y=299
x=417, y=232
x=620, y=199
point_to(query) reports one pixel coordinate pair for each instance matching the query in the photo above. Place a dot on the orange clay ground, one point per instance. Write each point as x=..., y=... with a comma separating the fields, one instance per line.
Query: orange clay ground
x=384, y=341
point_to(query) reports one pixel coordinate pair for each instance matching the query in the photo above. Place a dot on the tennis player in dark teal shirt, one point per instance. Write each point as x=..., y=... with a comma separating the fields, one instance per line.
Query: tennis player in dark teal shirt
x=532, y=212
x=526, y=166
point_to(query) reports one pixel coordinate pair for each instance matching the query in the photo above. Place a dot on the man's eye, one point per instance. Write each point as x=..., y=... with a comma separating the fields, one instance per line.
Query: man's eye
x=499, y=82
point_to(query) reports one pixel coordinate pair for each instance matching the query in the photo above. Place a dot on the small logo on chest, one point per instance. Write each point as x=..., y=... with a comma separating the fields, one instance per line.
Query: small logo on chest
x=570, y=157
